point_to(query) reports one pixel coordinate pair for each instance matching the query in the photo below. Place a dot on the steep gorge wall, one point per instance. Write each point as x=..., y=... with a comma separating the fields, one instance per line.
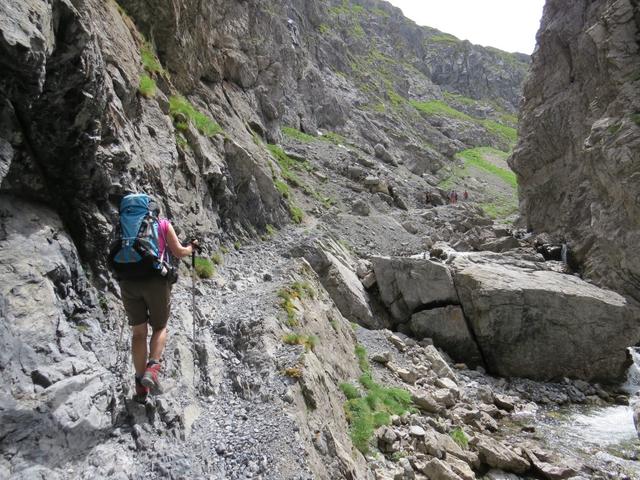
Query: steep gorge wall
x=75, y=132
x=578, y=160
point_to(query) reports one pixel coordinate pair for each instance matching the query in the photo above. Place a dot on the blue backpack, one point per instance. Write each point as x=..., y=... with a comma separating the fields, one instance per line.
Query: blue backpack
x=134, y=253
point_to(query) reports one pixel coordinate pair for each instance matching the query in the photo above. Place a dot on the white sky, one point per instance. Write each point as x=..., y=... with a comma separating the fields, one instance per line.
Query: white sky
x=509, y=25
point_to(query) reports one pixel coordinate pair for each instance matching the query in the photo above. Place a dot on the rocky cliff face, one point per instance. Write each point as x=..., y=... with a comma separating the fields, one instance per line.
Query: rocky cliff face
x=578, y=157
x=242, y=118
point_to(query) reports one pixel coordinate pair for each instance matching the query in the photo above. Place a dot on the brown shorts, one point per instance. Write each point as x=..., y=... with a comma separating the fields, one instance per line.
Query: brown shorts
x=147, y=300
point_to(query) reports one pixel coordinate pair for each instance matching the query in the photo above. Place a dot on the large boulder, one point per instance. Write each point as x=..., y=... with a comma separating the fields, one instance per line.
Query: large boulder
x=545, y=325
x=448, y=329
x=336, y=270
x=406, y=284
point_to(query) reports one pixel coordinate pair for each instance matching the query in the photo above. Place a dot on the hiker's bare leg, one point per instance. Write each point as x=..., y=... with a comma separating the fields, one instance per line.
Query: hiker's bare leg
x=139, y=347
x=157, y=343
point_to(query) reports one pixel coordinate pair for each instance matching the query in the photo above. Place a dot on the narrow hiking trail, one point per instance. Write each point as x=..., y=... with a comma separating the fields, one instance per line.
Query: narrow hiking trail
x=235, y=421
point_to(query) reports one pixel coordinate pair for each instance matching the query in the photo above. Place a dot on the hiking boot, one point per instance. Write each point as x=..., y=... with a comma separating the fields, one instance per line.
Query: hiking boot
x=141, y=392
x=150, y=378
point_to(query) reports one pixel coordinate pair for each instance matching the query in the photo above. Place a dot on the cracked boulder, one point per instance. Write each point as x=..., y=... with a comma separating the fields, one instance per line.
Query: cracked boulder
x=448, y=329
x=407, y=284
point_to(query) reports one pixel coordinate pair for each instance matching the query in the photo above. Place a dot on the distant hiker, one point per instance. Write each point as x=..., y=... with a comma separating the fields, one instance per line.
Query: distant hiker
x=465, y=195
x=451, y=197
x=455, y=197
x=140, y=256
x=427, y=198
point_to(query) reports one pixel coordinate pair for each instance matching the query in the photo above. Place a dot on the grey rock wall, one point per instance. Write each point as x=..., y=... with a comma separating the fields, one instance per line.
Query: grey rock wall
x=578, y=160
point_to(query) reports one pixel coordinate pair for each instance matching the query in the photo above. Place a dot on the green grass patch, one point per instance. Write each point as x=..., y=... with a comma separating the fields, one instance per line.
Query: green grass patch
x=502, y=209
x=323, y=28
x=456, y=97
x=509, y=134
x=459, y=437
x=298, y=135
x=237, y=245
x=357, y=30
x=334, y=138
x=183, y=111
x=282, y=187
x=147, y=86
x=440, y=108
x=361, y=353
x=149, y=59
x=374, y=409
x=443, y=38
x=308, y=341
x=475, y=157
x=286, y=163
x=350, y=391
x=297, y=214
x=636, y=118
x=204, y=267
x=217, y=258
x=270, y=229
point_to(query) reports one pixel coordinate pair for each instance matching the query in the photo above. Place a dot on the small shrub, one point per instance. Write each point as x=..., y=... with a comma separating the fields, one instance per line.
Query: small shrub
x=309, y=342
x=293, y=372
x=323, y=28
x=287, y=296
x=147, y=86
x=224, y=249
x=204, y=267
x=217, y=258
x=459, y=437
x=303, y=288
x=181, y=109
x=237, y=244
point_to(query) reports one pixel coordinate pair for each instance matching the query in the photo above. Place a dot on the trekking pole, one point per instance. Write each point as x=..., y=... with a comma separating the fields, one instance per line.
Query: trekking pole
x=193, y=299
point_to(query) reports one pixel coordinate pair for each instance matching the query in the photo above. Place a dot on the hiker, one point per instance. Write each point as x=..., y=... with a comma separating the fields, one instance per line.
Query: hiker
x=465, y=195
x=145, y=273
x=455, y=197
x=427, y=198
